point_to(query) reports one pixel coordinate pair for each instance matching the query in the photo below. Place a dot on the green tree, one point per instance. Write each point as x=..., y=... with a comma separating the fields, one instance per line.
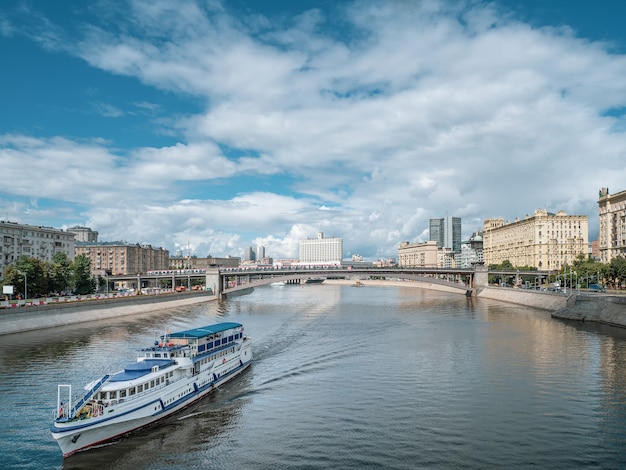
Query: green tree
x=83, y=281
x=617, y=271
x=60, y=273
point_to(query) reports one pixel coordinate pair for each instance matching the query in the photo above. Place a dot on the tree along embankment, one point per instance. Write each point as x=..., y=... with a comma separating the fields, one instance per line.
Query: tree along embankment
x=600, y=308
x=17, y=320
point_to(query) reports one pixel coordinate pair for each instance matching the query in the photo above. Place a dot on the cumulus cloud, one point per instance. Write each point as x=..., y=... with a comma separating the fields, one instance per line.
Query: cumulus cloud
x=383, y=114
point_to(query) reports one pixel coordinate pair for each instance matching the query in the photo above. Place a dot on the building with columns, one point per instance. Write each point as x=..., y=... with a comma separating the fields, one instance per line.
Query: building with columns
x=545, y=241
x=612, y=236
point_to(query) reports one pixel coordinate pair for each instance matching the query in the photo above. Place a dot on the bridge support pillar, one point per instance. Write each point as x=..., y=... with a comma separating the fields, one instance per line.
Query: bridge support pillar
x=481, y=278
x=214, y=282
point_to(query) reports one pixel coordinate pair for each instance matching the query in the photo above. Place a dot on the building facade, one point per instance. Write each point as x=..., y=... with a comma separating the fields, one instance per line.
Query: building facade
x=117, y=258
x=612, y=236
x=33, y=241
x=84, y=234
x=193, y=262
x=418, y=255
x=321, y=250
x=249, y=254
x=446, y=232
x=471, y=252
x=545, y=241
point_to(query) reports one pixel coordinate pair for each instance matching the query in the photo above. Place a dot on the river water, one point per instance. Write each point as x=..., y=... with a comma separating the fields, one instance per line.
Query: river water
x=350, y=378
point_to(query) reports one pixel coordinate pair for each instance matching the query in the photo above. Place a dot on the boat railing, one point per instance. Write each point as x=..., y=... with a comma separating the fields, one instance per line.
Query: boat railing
x=89, y=394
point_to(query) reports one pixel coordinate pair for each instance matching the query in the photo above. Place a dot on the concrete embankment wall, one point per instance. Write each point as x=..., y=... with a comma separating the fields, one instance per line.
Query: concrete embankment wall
x=605, y=309
x=422, y=282
x=22, y=319
x=532, y=298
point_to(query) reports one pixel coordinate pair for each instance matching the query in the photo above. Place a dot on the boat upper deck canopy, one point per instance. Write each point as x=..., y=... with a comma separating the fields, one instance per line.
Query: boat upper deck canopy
x=140, y=368
x=204, y=331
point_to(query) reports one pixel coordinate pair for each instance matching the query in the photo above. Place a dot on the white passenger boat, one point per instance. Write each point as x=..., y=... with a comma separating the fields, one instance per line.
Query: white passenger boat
x=176, y=371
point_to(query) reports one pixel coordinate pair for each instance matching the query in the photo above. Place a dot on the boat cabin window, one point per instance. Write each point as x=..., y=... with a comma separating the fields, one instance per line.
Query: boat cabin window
x=131, y=391
x=122, y=393
x=152, y=383
x=113, y=394
x=157, y=354
x=139, y=388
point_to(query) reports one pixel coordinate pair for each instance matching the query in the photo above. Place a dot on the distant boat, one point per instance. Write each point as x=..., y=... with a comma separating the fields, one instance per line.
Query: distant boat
x=278, y=284
x=314, y=280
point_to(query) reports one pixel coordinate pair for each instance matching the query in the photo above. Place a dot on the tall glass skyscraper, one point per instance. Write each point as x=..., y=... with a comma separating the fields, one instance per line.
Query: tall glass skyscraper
x=446, y=232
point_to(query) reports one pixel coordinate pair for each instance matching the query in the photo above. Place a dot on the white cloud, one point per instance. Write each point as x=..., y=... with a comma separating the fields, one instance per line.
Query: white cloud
x=414, y=111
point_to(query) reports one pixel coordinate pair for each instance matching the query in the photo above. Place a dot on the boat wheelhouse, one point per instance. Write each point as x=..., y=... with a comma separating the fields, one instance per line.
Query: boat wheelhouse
x=173, y=373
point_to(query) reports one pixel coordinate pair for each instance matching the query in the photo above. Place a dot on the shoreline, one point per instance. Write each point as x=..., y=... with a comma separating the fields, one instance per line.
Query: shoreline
x=608, y=310
x=23, y=319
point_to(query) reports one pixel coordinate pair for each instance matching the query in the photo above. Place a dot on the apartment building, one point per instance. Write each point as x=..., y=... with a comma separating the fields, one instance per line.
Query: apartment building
x=33, y=241
x=321, y=250
x=418, y=255
x=544, y=240
x=84, y=234
x=117, y=258
x=193, y=262
x=471, y=252
x=612, y=236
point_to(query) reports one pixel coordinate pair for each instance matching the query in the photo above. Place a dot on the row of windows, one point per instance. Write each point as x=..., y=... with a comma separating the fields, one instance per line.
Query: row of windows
x=214, y=344
x=129, y=392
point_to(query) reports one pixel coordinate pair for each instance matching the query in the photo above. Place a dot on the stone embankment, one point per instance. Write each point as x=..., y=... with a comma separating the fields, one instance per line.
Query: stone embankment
x=532, y=298
x=17, y=320
x=600, y=308
x=591, y=307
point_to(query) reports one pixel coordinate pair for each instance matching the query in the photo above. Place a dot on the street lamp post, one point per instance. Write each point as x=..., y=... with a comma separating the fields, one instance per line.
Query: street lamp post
x=25, y=284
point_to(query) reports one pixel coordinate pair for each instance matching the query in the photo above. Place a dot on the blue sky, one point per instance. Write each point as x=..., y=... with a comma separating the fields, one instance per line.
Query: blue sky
x=213, y=126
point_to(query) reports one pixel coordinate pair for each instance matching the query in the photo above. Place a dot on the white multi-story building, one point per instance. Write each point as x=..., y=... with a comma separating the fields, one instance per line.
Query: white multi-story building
x=471, y=252
x=612, y=237
x=545, y=241
x=84, y=234
x=321, y=250
x=33, y=241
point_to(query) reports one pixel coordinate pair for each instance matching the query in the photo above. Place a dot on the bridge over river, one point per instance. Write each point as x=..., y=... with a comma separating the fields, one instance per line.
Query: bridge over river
x=225, y=281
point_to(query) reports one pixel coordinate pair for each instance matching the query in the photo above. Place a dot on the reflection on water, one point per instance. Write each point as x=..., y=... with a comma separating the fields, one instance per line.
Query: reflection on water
x=347, y=378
